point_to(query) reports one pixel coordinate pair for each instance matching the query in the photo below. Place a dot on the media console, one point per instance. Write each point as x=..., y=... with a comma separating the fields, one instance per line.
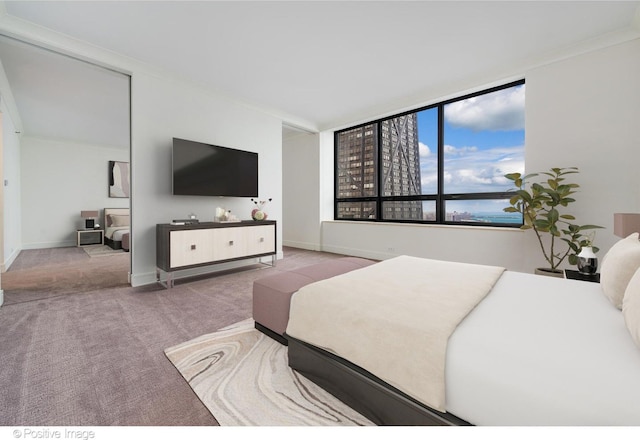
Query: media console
x=180, y=247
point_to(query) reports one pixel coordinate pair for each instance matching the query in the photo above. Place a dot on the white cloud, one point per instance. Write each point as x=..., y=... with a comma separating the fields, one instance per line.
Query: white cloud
x=501, y=110
x=458, y=151
x=425, y=151
x=428, y=181
x=484, y=171
x=468, y=169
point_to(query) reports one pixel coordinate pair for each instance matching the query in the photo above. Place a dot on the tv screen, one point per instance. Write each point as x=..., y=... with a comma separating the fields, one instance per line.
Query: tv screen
x=210, y=170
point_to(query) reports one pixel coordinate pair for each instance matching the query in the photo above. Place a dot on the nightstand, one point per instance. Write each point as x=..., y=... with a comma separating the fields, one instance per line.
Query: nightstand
x=576, y=275
x=90, y=236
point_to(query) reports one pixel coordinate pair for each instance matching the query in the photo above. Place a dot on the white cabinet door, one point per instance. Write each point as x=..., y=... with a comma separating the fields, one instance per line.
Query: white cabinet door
x=260, y=239
x=195, y=246
x=230, y=243
x=201, y=246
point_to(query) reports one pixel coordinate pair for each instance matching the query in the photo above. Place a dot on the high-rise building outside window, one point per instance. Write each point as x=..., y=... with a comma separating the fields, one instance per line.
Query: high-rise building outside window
x=441, y=164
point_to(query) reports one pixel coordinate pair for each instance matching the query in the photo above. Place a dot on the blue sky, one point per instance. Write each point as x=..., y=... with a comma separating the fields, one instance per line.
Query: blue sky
x=484, y=140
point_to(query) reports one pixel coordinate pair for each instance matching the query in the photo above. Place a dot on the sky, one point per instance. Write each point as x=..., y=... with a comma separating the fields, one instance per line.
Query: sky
x=484, y=140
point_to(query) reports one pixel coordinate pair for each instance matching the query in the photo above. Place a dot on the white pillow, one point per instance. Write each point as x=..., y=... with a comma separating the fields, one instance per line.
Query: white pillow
x=631, y=307
x=119, y=220
x=618, y=267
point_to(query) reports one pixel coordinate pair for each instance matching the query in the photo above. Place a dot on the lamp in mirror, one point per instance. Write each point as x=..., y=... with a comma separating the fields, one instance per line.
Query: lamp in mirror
x=89, y=218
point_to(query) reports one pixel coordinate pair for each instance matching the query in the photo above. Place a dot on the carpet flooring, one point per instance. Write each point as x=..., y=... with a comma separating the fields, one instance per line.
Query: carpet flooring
x=88, y=354
x=243, y=377
x=46, y=273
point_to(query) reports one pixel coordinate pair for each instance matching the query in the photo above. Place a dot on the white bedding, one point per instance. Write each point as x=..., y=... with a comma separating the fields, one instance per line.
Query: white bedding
x=115, y=233
x=396, y=327
x=543, y=351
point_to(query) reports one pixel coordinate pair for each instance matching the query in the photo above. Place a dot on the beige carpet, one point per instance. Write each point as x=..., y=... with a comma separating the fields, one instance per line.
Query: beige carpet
x=243, y=378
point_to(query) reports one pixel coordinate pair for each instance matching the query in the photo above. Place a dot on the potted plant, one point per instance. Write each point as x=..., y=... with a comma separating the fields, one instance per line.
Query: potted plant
x=543, y=206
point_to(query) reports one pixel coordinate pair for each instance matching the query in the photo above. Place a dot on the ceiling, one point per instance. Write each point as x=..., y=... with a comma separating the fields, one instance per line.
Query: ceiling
x=64, y=99
x=325, y=64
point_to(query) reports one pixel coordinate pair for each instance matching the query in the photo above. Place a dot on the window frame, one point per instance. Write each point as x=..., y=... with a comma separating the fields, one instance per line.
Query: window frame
x=440, y=198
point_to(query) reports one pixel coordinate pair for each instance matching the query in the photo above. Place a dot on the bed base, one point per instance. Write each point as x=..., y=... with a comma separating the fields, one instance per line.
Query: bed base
x=115, y=245
x=373, y=398
x=273, y=335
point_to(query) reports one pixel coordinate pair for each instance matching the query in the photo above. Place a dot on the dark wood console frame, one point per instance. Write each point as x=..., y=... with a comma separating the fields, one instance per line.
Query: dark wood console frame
x=163, y=246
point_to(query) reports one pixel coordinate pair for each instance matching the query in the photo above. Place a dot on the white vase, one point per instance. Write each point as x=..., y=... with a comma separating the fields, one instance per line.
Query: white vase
x=587, y=261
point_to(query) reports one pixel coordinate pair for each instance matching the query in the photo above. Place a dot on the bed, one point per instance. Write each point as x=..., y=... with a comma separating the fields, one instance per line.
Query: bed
x=116, y=231
x=532, y=350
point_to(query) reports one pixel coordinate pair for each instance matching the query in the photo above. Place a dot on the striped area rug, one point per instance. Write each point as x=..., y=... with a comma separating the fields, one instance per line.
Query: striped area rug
x=243, y=378
x=101, y=250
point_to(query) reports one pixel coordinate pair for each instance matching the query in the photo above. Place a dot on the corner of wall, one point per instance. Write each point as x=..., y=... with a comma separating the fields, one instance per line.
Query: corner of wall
x=636, y=20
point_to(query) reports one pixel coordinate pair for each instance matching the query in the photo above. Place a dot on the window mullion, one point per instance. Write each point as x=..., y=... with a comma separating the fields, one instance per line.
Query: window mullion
x=440, y=208
x=379, y=172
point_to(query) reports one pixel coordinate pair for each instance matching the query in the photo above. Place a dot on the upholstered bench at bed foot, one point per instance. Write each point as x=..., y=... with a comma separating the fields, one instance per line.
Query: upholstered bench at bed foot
x=125, y=242
x=272, y=294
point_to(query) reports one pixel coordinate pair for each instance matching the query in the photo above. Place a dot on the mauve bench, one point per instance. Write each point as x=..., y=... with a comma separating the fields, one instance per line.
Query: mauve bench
x=272, y=294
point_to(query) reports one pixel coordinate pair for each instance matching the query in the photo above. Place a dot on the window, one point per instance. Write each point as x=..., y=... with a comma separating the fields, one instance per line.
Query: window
x=441, y=164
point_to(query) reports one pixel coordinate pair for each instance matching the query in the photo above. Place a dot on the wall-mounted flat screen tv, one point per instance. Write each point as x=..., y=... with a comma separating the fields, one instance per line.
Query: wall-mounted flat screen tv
x=201, y=169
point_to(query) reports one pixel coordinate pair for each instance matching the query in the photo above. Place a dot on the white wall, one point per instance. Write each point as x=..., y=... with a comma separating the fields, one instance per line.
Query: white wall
x=162, y=109
x=60, y=179
x=582, y=111
x=11, y=192
x=301, y=191
x=585, y=112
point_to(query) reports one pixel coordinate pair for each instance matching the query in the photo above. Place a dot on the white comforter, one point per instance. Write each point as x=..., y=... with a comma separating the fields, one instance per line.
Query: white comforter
x=115, y=233
x=393, y=318
x=543, y=351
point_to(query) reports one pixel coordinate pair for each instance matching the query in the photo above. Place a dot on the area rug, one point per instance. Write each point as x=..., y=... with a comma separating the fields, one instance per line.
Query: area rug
x=101, y=250
x=242, y=377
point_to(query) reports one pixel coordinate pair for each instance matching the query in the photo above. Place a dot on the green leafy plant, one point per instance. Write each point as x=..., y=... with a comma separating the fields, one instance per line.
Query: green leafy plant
x=542, y=206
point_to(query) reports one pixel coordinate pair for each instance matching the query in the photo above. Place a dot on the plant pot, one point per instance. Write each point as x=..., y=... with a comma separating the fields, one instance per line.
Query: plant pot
x=549, y=272
x=587, y=261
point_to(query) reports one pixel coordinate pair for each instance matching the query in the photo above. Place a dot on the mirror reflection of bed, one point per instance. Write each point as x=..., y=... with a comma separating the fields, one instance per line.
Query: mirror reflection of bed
x=116, y=228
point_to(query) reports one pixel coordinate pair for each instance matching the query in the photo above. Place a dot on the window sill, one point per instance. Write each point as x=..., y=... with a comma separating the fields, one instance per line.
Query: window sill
x=424, y=225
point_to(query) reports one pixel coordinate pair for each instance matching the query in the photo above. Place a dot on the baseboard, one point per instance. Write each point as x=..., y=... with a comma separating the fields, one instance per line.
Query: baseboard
x=301, y=245
x=49, y=245
x=9, y=261
x=144, y=279
x=362, y=253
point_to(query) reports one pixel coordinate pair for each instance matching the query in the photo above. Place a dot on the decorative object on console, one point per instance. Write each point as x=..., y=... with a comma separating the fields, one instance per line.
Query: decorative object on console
x=185, y=221
x=119, y=179
x=225, y=216
x=222, y=214
x=625, y=224
x=89, y=219
x=540, y=205
x=258, y=213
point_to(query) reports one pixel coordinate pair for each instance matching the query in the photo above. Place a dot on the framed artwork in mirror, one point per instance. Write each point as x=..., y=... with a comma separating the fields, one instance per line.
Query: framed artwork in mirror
x=119, y=183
